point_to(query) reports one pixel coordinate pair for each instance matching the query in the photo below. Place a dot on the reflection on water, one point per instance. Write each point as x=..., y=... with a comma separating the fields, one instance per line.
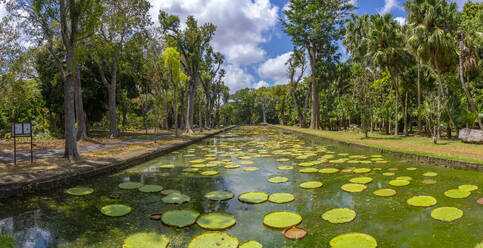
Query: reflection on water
x=58, y=220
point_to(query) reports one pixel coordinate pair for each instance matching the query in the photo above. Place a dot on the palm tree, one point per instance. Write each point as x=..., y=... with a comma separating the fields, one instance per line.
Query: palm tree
x=431, y=23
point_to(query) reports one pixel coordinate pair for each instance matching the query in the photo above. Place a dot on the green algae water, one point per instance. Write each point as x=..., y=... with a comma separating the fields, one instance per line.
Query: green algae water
x=58, y=219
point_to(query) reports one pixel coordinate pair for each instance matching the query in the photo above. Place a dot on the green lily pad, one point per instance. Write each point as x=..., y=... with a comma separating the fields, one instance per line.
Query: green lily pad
x=254, y=197
x=388, y=174
x=116, y=210
x=191, y=170
x=430, y=174
x=404, y=178
x=384, y=192
x=429, y=181
x=339, y=215
x=285, y=167
x=219, y=195
x=250, y=168
x=146, y=240
x=197, y=161
x=283, y=160
x=353, y=187
x=198, y=166
x=306, y=164
x=130, y=185
x=311, y=185
x=79, y=191
x=468, y=187
x=180, y=218
x=232, y=166
x=361, y=180
x=169, y=191
x=251, y=244
x=150, y=188
x=399, y=183
x=350, y=240
x=278, y=179
x=282, y=219
x=281, y=198
x=422, y=201
x=457, y=193
x=166, y=166
x=411, y=168
x=446, y=214
x=209, y=173
x=328, y=170
x=362, y=170
x=245, y=162
x=213, y=239
x=216, y=221
x=308, y=170
x=176, y=198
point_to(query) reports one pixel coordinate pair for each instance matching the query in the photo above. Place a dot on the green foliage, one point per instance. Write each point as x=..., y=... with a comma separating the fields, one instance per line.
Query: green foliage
x=6, y=241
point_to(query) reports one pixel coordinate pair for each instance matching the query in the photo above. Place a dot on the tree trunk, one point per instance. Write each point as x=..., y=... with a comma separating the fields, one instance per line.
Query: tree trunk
x=306, y=103
x=182, y=112
x=207, y=123
x=264, y=112
x=79, y=107
x=315, y=120
x=448, y=111
x=420, y=125
x=406, y=115
x=70, y=151
x=200, y=114
x=175, y=112
x=190, y=107
x=396, y=118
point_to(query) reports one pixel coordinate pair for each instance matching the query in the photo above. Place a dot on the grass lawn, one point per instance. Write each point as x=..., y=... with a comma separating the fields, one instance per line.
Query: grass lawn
x=447, y=149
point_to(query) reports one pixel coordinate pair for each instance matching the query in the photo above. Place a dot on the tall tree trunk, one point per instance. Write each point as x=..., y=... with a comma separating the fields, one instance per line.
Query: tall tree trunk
x=165, y=115
x=207, y=123
x=420, y=125
x=445, y=100
x=306, y=103
x=190, y=107
x=182, y=110
x=79, y=107
x=406, y=115
x=200, y=114
x=70, y=151
x=315, y=120
x=175, y=112
x=396, y=118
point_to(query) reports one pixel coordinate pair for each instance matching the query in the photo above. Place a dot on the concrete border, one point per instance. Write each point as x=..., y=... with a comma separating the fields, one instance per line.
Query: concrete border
x=447, y=163
x=43, y=184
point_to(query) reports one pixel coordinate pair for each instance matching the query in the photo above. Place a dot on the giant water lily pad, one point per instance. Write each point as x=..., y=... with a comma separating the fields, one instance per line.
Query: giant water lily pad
x=79, y=191
x=116, y=210
x=176, y=198
x=150, y=188
x=130, y=185
x=429, y=181
x=251, y=244
x=411, y=168
x=197, y=161
x=446, y=213
x=169, y=191
x=384, y=192
x=295, y=233
x=146, y=240
x=232, y=166
x=430, y=174
x=216, y=221
x=281, y=198
x=352, y=240
x=468, y=187
x=399, y=183
x=353, y=187
x=166, y=166
x=191, y=170
x=339, y=215
x=283, y=160
x=311, y=185
x=251, y=168
x=361, y=180
x=209, y=173
x=457, y=193
x=388, y=174
x=328, y=170
x=404, y=178
x=254, y=197
x=422, y=201
x=282, y=219
x=278, y=179
x=198, y=166
x=219, y=195
x=362, y=170
x=180, y=218
x=246, y=162
x=214, y=239
x=285, y=167
x=308, y=170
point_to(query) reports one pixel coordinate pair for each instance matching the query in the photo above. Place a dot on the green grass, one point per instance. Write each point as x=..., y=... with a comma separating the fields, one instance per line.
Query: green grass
x=445, y=149
x=6, y=241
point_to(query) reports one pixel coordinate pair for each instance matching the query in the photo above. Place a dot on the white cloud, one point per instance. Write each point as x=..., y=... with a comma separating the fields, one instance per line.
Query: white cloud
x=276, y=70
x=237, y=78
x=401, y=20
x=261, y=84
x=388, y=6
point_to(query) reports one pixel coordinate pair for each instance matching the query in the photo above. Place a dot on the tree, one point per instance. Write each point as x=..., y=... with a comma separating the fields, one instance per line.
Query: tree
x=120, y=20
x=263, y=98
x=211, y=70
x=280, y=91
x=316, y=25
x=297, y=64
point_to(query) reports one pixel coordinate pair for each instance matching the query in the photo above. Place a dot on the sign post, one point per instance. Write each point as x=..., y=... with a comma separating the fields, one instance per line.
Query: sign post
x=22, y=130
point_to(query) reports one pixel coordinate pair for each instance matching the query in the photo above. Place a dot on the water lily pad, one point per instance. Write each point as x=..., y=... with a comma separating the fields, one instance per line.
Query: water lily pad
x=209, y=173
x=282, y=219
x=328, y=170
x=281, y=198
x=404, y=178
x=457, y=193
x=384, y=192
x=308, y=170
x=285, y=167
x=79, y=191
x=166, y=166
x=295, y=233
x=349, y=240
x=251, y=244
x=246, y=162
x=422, y=201
x=254, y=197
x=130, y=185
x=468, y=187
x=430, y=174
x=362, y=170
x=446, y=213
x=232, y=166
x=399, y=183
x=411, y=168
x=251, y=168
x=219, y=195
x=146, y=240
x=176, y=198
x=198, y=166
x=388, y=174
x=353, y=187
x=197, y=161
x=429, y=181
x=283, y=160
x=311, y=185
x=278, y=179
x=180, y=218
x=191, y=170
x=361, y=180
x=116, y=210
x=339, y=215
x=213, y=239
x=216, y=221
x=150, y=188
x=169, y=191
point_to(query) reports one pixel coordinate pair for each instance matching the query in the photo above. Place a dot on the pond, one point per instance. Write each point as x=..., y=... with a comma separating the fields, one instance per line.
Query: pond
x=57, y=219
